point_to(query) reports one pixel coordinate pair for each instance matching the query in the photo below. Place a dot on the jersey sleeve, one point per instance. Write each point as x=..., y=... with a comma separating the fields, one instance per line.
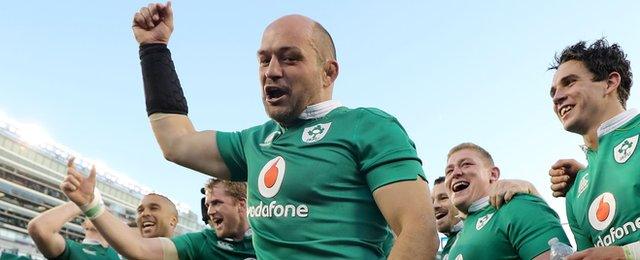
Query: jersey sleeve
x=386, y=153
x=530, y=237
x=66, y=254
x=582, y=238
x=186, y=245
x=232, y=152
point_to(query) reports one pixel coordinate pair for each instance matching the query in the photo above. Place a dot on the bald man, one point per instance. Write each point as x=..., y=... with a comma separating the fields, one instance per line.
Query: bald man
x=157, y=216
x=323, y=180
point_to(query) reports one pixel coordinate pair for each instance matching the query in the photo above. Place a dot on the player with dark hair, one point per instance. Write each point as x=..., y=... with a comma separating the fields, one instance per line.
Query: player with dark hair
x=589, y=92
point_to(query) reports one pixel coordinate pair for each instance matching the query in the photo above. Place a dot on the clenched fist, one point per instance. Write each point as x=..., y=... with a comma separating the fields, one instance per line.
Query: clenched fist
x=153, y=24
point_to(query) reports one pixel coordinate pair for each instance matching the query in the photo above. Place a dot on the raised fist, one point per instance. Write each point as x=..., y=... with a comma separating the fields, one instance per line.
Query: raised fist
x=153, y=24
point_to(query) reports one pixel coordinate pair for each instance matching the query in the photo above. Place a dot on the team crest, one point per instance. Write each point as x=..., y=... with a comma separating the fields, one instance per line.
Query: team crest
x=459, y=257
x=584, y=182
x=225, y=245
x=89, y=252
x=483, y=221
x=269, y=139
x=315, y=133
x=623, y=151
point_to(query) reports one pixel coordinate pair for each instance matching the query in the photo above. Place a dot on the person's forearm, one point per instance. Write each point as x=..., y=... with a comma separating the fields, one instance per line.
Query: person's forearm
x=119, y=236
x=51, y=221
x=416, y=242
x=44, y=228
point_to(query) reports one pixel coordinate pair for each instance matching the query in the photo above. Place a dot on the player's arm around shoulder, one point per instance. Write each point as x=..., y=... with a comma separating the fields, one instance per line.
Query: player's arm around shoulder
x=407, y=209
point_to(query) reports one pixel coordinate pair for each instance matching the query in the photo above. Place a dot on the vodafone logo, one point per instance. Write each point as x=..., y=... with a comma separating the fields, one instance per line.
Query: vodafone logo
x=271, y=176
x=602, y=211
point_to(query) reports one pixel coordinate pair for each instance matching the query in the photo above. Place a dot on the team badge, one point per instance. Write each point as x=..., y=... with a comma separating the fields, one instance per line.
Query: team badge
x=625, y=149
x=602, y=211
x=89, y=252
x=271, y=176
x=269, y=139
x=584, y=182
x=225, y=245
x=459, y=257
x=483, y=221
x=315, y=133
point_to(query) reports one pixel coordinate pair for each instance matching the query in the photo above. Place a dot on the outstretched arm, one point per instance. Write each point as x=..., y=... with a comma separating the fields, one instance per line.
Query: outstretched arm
x=166, y=104
x=407, y=207
x=80, y=190
x=45, y=227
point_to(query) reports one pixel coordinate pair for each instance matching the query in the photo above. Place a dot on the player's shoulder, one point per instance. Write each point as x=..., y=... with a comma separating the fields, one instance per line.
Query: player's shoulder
x=371, y=112
x=193, y=236
x=520, y=201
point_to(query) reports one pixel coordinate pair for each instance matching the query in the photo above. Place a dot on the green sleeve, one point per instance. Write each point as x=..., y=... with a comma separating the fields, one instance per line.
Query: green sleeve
x=532, y=223
x=187, y=245
x=66, y=254
x=387, y=155
x=583, y=241
x=232, y=152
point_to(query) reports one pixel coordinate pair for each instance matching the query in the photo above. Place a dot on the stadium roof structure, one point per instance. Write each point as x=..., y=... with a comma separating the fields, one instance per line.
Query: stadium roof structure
x=36, y=138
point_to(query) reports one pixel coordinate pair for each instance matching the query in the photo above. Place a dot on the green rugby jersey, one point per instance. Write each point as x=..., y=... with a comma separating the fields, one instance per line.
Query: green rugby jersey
x=310, y=185
x=603, y=206
x=11, y=256
x=451, y=239
x=520, y=229
x=80, y=251
x=206, y=245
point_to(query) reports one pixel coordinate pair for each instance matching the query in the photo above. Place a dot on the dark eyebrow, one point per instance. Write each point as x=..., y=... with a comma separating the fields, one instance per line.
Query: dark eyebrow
x=280, y=50
x=566, y=80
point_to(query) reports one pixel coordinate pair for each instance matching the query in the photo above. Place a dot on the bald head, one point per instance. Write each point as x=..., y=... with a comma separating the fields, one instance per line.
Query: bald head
x=319, y=37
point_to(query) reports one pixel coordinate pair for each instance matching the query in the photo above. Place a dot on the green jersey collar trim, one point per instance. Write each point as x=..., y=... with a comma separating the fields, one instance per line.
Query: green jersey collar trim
x=479, y=204
x=319, y=110
x=617, y=121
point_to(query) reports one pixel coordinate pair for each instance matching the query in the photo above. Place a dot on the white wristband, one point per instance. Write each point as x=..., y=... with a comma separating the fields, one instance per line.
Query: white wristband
x=632, y=251
x=95, y=208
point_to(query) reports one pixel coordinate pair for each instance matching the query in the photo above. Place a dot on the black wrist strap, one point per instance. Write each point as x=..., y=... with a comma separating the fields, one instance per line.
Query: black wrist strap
x=162, y=90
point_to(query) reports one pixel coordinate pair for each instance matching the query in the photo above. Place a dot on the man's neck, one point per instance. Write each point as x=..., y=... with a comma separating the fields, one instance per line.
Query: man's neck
x=455, y=228
x=242, y=233
x=613, y=120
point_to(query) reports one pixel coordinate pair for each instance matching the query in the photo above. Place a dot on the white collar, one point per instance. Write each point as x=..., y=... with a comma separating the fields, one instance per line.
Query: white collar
x=457, y=227
x=319, y=110
x=617, y=121
x=248, y=233
x=478, y=204
x=90, y=241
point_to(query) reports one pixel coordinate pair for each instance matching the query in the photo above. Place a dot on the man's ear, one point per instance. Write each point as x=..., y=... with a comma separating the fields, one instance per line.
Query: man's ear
x=331, y=71
x=243, y=205
x=495, y=174
x=613, y=82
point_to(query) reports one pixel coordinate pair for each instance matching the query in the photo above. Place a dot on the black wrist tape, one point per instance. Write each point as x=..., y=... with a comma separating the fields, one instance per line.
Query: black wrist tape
x=162, y=90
